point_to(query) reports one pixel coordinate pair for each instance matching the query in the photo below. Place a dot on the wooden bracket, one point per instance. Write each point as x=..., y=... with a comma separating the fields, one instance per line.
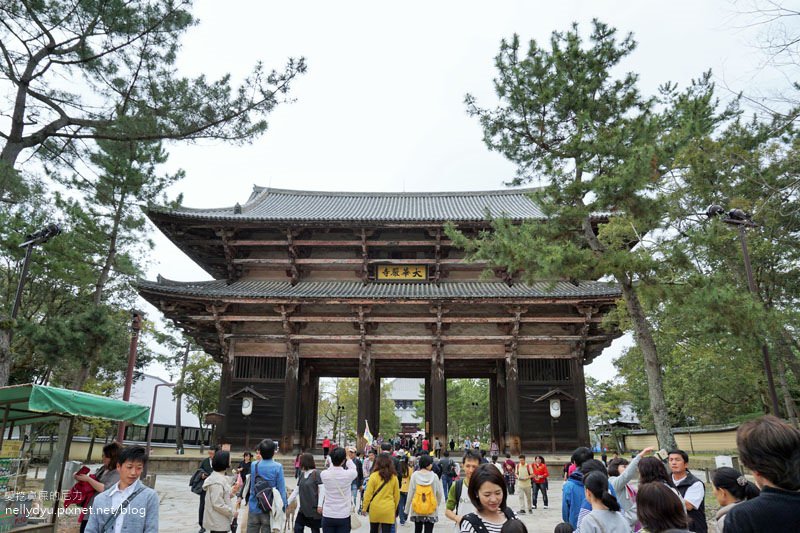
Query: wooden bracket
x=215, y=310
x=293, y=271
x=364, y=274
x=230, y=252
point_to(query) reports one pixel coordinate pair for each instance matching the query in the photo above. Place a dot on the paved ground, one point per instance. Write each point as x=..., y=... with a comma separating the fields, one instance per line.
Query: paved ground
x=179, y=509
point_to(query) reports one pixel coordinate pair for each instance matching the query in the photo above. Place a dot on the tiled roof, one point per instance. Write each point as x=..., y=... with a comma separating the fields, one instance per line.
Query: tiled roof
x=267, y=204
x=390, y=291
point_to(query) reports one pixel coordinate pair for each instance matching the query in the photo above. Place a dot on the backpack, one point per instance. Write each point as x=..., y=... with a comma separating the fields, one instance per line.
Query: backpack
x=424, y=502
x=196, y=482
x=459, y=489
x=263, y=491
x=480, y=527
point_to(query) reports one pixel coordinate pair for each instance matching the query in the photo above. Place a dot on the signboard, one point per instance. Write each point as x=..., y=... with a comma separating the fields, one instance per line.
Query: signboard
x=402, y=272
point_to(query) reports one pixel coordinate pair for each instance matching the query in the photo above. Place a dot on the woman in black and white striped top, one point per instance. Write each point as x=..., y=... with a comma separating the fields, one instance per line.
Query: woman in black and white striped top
x=487, y=492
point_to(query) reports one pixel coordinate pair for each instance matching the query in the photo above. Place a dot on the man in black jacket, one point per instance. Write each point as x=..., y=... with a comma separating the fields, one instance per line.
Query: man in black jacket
x=205, y=466
x=692, y=490
x=770, y=448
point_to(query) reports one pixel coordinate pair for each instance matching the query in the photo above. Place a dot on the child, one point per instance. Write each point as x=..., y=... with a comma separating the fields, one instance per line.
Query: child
x=514, y=526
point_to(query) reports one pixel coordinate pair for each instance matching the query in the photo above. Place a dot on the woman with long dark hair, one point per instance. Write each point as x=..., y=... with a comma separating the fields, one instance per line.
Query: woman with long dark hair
x=620, y=475
x=658, y=511
x=405, y=481
x=605, y=516
x=307, y=494
x=104, y=477
x=381, y=495
x=488, y=493
x=730, y=488
x=540, y=475
x=652, y=469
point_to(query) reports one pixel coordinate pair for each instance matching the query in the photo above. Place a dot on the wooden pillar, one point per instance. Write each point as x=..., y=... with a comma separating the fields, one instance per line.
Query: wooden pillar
x=499, y=407
x=579, y=391
x=223, y=436
x=314, y=411
x=308, y=389
x=366, y=389
x=290, y=398
x=494, y=423
x=513, y=440
x=438, y=394
x=426, y=424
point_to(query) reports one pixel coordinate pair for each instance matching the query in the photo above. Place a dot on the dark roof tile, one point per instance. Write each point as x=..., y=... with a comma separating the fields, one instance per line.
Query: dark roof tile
x=391, y=291
x=279, y=204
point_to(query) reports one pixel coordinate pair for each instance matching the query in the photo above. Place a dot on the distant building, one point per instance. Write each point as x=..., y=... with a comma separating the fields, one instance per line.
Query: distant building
x=164, y=414
x=406, y=391
x=611, y=431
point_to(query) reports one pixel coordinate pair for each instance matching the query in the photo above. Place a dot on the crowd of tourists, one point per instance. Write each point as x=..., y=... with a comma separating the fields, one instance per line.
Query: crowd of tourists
x=388, y=484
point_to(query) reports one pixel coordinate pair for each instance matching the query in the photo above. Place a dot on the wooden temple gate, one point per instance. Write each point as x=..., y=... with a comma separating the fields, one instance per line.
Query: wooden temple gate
x=310, y=285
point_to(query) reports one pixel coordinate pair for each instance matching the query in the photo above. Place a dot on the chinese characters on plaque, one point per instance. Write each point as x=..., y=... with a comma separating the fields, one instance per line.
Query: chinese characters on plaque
x=402, y=272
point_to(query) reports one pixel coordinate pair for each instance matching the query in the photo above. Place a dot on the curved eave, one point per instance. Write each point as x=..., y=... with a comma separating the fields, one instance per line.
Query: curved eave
x=356, y=292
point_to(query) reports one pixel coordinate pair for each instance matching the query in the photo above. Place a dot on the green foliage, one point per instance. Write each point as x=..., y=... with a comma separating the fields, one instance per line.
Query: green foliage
x=604, y=400
x=389, y=421
x=200, y=385
x=709, y=327
x=467, y=409
x=122, y=57
x=344, y=392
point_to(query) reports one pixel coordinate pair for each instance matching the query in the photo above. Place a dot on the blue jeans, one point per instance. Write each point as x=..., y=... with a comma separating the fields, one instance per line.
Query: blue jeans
x=402, y=508
x=335, y=525
x=354, y=490
x=446, y=482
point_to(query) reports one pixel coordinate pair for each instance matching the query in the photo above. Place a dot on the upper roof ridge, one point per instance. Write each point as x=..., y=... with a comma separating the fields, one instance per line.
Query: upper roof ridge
x=260, y=190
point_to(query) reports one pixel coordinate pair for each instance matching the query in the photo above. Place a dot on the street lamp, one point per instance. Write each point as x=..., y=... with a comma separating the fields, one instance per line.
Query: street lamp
x=136, y=327
x=37, y=237
x=742, y=220
x=152, y=416
x=339, y=413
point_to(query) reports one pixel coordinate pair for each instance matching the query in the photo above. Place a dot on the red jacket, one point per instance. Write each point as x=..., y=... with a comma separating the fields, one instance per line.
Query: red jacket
x=81, y=493
x=540, y=473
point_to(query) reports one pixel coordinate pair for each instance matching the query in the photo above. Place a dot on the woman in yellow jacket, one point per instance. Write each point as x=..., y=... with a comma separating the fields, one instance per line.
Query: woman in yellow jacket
x=382, y=495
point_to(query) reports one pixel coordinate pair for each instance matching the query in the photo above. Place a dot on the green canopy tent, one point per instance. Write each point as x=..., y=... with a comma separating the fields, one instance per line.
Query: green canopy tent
x=30, y=404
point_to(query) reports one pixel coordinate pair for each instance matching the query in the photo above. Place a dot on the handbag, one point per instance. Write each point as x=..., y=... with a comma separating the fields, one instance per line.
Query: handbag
x=355, y=522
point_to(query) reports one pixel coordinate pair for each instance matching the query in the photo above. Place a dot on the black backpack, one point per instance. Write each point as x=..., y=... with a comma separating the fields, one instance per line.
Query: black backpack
x=262, y=490
x=480, y=527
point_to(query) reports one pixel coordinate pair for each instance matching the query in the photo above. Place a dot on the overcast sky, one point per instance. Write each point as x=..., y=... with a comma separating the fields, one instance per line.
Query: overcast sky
x=381, y=106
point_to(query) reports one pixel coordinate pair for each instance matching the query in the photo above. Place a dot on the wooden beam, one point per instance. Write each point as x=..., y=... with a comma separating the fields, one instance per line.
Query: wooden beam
x=328, y=243
x=329, y=261
x=417, y=339
x=421, y=319
x=423, y=355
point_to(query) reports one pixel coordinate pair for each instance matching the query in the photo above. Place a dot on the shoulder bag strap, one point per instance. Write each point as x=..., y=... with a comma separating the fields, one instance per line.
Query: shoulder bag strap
x=476, y=522
x=375, y=494
x=109, y=525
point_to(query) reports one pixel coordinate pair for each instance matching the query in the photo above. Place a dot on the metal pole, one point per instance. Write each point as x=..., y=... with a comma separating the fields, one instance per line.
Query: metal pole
x=150, y=425
x=751, y=283
x=136, y=326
